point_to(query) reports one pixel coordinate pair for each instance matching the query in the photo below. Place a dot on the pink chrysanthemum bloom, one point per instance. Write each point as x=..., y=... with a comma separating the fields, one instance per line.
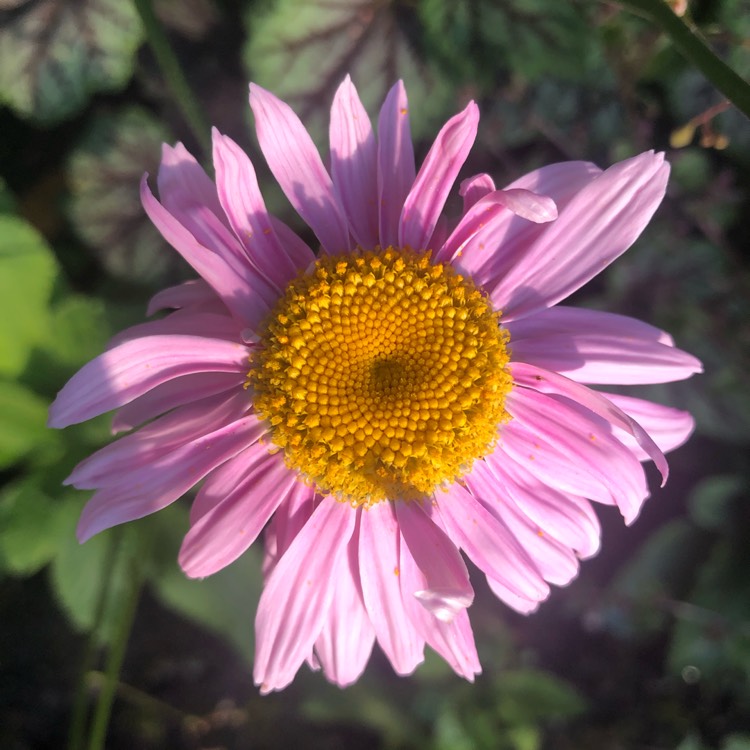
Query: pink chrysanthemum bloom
x=413, y=392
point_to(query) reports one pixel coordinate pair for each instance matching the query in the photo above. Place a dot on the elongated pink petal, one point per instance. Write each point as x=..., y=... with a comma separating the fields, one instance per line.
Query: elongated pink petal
x=236, y=517
x=285, y=524
x=521, y=604
x=529, y=447
x=298, y=595
x=297, y=167
x=593, y=229
x=597, y=347
x=187, y=323
x=489, y=543
x=453, y=640
x=187, y=294
x=246, y=210
x=156, y=484
x=585, y=439
x=669, y=427
x=555, y=562
x=135, y=367
x=475, y=232
x=183, y=184
x=427, y=196
x=173, y=393
x=381, y=589
x=354, y=163
x=447, y=590
x=396, y=169
x=550, y=382
x=236, y=286
x=347, y=637
x=297, y=249
x=568, y=518
x=560, y=181
x=114, y=463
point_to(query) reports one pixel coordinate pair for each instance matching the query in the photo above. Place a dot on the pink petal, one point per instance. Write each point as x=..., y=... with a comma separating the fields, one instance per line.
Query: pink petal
x=530, y=448
x=185, y=323
x=237, y=286
x=244, y=206
x=187, y=294
x=114, y=463
x=447, y=590
x=156, y=484
x=381, y=588
x=396, y=170
x=298, y=595
x=236, y=517
x=489, y=543
x=669, y=427
x=354, y=163
x=183, y=184
x=120, y=375
x=584, y=439
x=295, y=246
x=474, y=188
x=556, y=563
x=297, y=167
x=453, y=640
x=347, y=637
x=285, y=524
x=598, y=347
x=499, y=244
x=550, y=382
x=521, y=604
x=593, y=229
x=474, y=238
x=177, y=392
x=567, y=518
x=427, y=196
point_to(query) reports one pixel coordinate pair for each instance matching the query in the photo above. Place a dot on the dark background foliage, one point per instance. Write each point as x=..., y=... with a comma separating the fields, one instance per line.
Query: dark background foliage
x=649, y=649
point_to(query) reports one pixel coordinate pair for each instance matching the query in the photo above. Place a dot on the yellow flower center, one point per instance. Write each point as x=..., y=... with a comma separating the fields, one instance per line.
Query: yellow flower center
x=382, y=375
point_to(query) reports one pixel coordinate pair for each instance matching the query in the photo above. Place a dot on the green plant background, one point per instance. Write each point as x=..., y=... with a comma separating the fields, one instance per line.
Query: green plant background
x=648, y=650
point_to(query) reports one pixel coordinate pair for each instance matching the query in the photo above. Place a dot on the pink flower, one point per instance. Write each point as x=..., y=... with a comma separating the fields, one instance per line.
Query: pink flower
x=381, y=409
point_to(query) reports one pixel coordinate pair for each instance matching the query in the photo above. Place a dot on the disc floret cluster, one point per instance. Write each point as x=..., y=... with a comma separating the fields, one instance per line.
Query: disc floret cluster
x=382, y=375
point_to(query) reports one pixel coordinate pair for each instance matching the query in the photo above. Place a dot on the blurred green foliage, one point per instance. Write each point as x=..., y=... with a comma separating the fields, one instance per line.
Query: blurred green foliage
x=650, y=648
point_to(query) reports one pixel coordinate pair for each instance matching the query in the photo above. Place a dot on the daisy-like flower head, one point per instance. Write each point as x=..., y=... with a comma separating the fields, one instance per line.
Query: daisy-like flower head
x=412, y=392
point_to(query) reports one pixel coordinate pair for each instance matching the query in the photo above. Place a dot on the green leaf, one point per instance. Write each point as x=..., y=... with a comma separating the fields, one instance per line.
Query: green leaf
x=225, y=602
x=105, y=173
x=82, y=573
x=23, y=417
x=55, y=53
x=712, y=632
x=526, y=697
x=29, y=528
x=27, y=273
x=736, y=742
x=530, y=38
x=301, y=50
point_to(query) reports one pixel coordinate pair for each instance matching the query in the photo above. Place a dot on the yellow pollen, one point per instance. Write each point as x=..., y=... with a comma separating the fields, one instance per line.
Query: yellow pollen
x=381, y=375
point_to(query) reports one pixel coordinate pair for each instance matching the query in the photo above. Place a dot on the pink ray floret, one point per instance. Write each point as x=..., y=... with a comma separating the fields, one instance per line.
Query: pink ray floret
x=341, y=576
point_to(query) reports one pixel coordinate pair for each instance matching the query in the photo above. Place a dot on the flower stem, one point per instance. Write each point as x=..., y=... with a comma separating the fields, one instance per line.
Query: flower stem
x=686, y=38
x=173, y=74
x=125, y=618
x=80, y=702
